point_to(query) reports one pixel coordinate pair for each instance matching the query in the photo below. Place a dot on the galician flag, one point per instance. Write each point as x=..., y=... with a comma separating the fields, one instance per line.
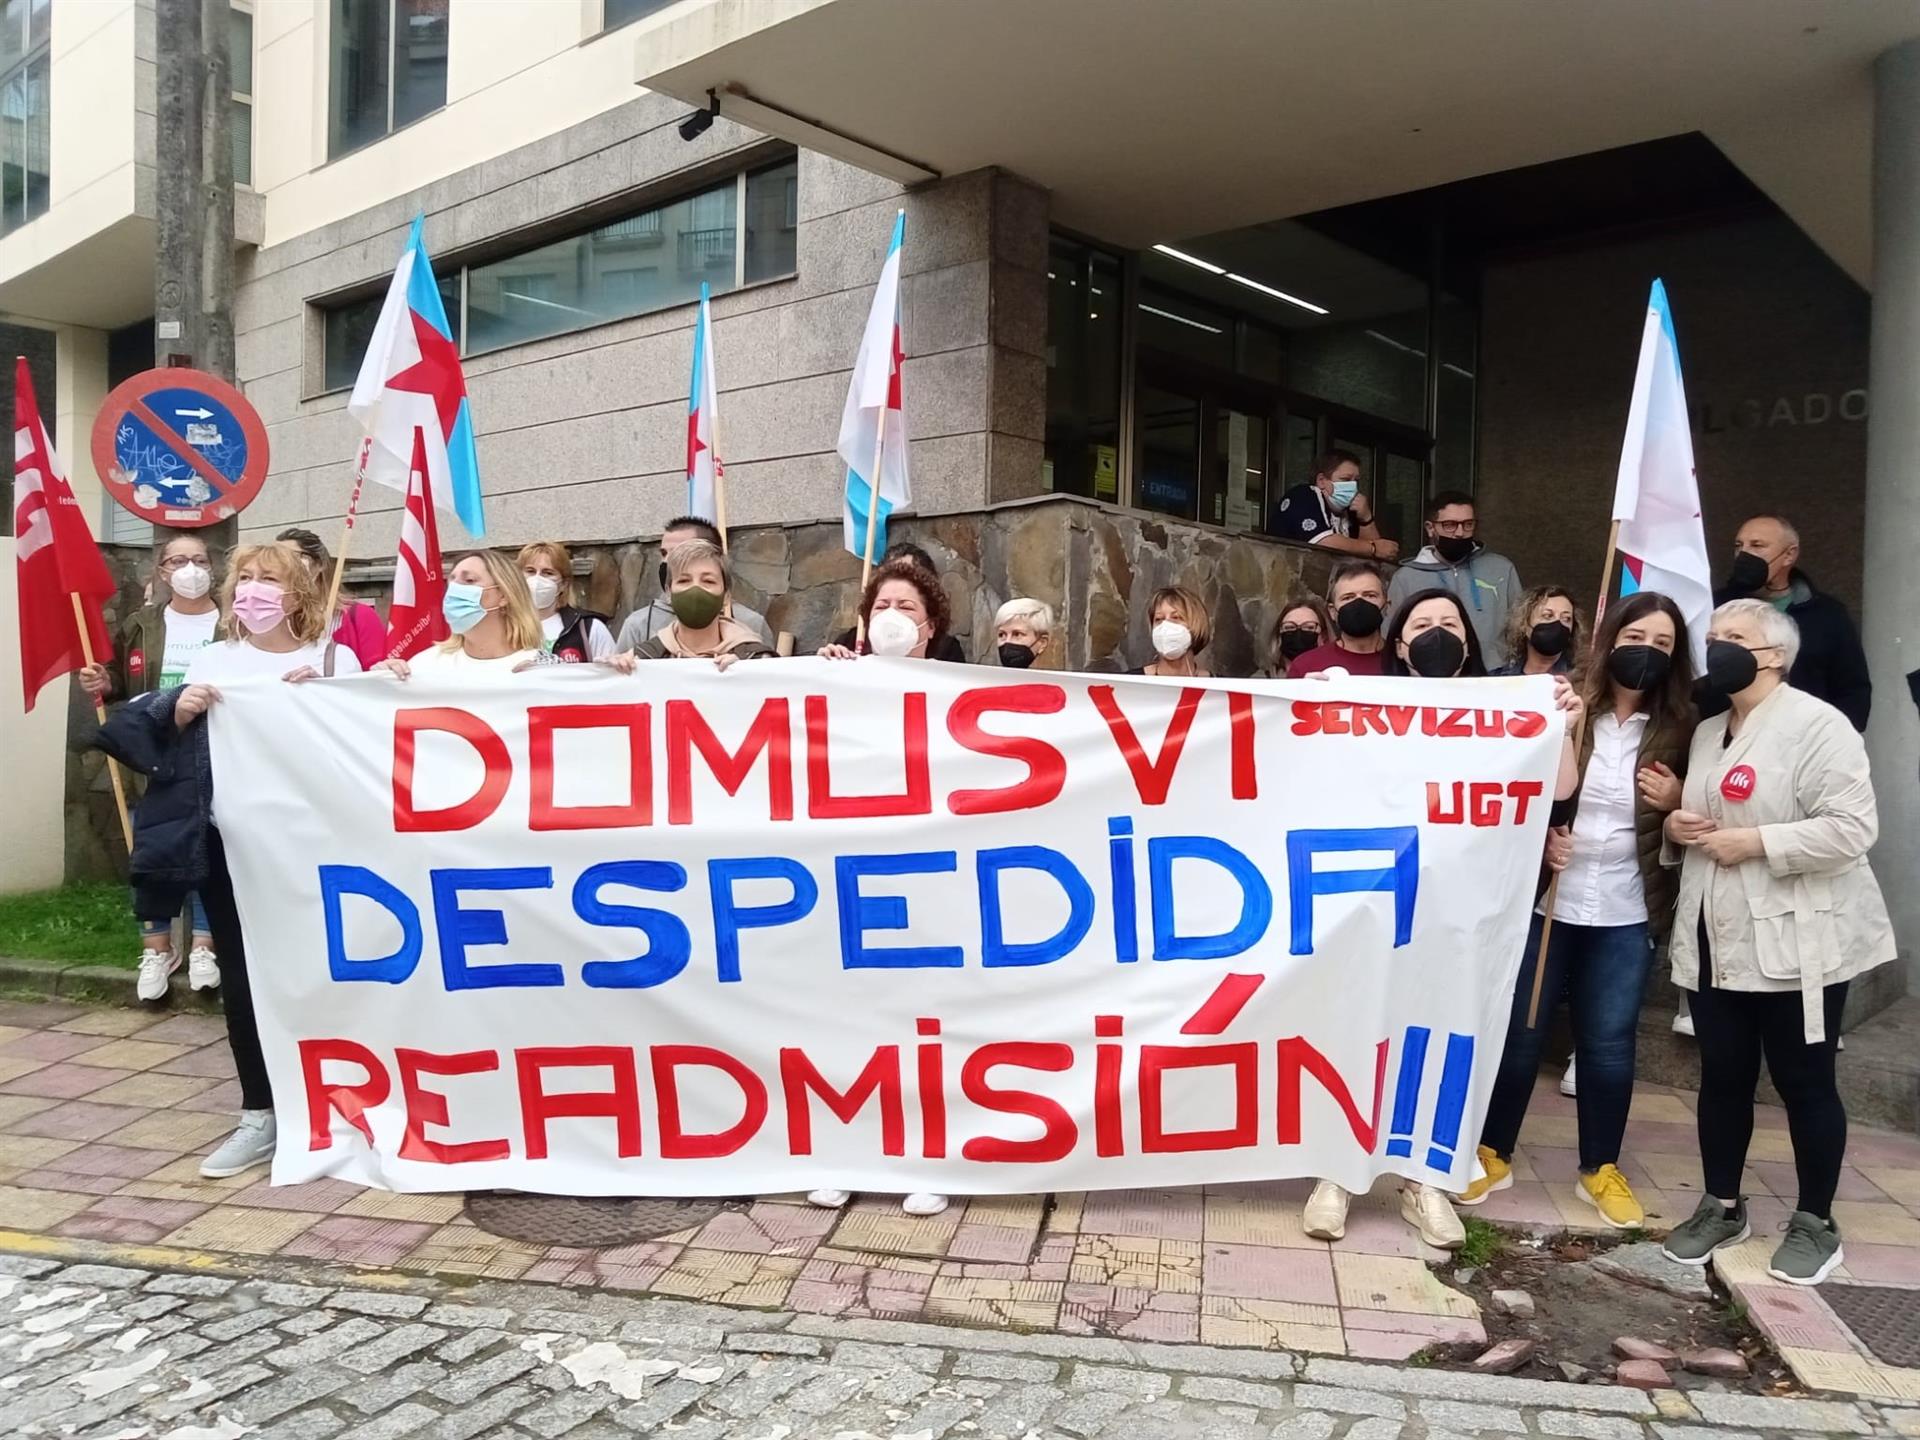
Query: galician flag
x=703, y=408
x=873, y=413
x=415, y=619
x=412, y=377
x=1657, y=498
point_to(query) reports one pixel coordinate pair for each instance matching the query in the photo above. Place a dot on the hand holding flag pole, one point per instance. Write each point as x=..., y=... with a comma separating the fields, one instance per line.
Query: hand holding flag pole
x=346, y=534
x=100, y=714
x=1656, y=521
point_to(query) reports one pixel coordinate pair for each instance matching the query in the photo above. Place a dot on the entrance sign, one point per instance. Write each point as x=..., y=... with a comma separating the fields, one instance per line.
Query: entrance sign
x=883, y=925
x=180, y=448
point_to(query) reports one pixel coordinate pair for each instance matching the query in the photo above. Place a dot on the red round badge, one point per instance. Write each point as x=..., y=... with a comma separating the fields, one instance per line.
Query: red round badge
x=1737, y=784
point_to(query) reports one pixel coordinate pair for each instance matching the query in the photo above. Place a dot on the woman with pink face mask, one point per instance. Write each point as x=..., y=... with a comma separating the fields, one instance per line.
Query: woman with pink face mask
x=276, y=628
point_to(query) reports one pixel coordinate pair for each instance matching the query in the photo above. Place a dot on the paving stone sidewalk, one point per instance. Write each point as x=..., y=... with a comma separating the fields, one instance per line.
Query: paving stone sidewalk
x=104, y=1114
x=299, y=1352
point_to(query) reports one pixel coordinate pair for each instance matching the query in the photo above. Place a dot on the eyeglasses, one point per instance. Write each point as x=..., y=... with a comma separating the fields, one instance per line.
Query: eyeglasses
x=180, y=562
x=1453, y=527
x=1300, y=629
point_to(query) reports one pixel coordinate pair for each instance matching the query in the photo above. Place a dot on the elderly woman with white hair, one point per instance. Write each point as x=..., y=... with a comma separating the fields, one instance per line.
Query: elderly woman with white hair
x=1023, y=629
x=1778, y=911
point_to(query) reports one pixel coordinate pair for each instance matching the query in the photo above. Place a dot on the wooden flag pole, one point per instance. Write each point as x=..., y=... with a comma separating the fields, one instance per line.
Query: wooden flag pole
x=100, y=714
x=873, y=525
x=1579, y=738
x=346, y=534
x=719, y=481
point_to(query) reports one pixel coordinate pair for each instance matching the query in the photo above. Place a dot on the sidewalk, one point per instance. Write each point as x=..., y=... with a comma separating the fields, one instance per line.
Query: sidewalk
x=105, y=1113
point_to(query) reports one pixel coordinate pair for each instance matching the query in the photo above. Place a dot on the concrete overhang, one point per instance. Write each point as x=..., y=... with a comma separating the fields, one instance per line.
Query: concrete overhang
x=1151, y=120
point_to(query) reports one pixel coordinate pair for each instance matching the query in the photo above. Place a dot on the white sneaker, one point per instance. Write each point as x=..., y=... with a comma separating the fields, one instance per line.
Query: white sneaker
x=924, y=1202
x=203, y=971
x=1325, y=1217
x=1566, y=1079
x=829, y=1199
x=250, y=1144
x=1431, y=1213
x=1683, y=1023
x=156, y=969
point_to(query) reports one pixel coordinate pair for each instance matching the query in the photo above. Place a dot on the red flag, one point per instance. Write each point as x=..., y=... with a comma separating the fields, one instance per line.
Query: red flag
x=54, y=554
x=415, y=619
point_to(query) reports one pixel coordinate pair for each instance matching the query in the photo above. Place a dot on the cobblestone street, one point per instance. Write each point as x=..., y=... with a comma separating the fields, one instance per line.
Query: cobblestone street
x=305, y=1352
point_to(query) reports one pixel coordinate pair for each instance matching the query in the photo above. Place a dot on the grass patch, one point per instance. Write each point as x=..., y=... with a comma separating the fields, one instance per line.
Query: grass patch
x=89, y=924
x=1483, y=1242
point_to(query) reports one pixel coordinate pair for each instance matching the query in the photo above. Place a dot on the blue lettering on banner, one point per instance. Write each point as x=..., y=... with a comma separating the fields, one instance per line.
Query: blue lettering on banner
x=458, y=928
x=669, y=946
x=1126, y=924
x=995, y=949
x=731, y=917
x=339, y=880
x=861, y=913
x=1256, y=899
x=1451, y=1103
x=1406, y=1091
x=1401, y=879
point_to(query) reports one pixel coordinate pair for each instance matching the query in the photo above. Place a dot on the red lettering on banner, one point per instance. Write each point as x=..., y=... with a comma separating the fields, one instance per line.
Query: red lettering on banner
x=620, y=1104
x=429, y=1107
x=1059, y=1133
x=770, y=735
x=675, y=1142
x=1341, y=717
x=1245, y=776
x=1525, y=724
x=492, y=750
x=1151, y=778
x=1155, y=1060
x=881, y=1075
x=1439, y=812
x=544, y=720
x=350, y=1102
x=916, y=799
x=1046, y=766
x=1109, y=1134
x=1524, y=793
x=930, y=1067
x=1483, y=802
x=1480, y=803
x=1400, y=717
x=1296, y=1055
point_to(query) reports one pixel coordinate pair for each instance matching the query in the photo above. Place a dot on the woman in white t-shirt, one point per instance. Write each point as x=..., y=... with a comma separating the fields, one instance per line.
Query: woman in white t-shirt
x=156, y=646
x=571, y=634
x=495, y=629
x=277, y=627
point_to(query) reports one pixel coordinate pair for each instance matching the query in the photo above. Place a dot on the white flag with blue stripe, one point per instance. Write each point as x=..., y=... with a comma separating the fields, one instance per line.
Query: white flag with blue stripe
x=1656, y=499
x=875, y=392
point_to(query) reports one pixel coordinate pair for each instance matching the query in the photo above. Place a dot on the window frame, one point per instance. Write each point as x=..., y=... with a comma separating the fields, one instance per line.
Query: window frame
x=325, y=307
x=245, y=97
x=30, y=53
x=390, y=129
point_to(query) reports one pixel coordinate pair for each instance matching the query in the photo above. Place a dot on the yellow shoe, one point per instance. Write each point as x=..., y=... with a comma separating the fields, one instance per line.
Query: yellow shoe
x=1498, y=1177
x=1608, y=1192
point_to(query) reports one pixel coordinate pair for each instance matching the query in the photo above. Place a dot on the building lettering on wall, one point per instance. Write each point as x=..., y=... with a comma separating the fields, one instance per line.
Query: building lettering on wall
x=1816, y=407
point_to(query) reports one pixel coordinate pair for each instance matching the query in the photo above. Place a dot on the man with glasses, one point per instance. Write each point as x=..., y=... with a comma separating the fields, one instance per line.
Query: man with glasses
x=1454, y=559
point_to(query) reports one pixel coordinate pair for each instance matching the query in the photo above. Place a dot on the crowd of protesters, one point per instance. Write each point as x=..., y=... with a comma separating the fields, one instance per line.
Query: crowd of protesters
x=1661, y=833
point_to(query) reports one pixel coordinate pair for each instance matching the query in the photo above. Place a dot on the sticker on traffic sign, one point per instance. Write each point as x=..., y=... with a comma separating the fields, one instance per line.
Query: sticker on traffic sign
x=180, y=447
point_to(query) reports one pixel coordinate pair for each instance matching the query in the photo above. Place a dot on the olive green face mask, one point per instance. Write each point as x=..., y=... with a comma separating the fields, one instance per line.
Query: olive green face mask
x=695, y=607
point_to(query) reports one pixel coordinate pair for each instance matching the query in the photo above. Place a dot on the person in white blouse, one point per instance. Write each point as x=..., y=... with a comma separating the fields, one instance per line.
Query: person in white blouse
x=1614, y=902
x=571, y=634
x=491, y=614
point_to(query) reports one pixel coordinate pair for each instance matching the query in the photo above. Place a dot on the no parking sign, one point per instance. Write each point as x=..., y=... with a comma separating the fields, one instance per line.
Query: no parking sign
x=180, y=447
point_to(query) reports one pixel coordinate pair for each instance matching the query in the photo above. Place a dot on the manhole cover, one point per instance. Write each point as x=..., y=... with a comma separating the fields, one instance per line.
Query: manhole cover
x=1886, y=1319
x=583, y=1221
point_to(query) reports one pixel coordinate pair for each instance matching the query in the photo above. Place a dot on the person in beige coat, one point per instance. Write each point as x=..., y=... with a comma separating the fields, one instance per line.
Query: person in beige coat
x=1777, y=912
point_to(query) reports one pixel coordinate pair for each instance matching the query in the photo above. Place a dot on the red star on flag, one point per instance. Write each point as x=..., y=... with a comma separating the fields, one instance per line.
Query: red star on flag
x=436, y=373
x=694, y=443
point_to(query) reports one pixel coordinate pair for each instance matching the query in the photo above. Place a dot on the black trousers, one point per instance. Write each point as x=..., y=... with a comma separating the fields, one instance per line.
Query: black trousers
x=236, y=995
x=1737, y=1029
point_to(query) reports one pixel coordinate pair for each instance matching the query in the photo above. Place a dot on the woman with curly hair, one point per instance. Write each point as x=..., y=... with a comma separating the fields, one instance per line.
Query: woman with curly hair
x=1543, y=633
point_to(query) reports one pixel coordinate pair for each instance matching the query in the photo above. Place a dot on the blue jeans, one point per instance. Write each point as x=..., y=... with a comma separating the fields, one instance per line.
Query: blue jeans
x=1601, y=971
x=196, y=912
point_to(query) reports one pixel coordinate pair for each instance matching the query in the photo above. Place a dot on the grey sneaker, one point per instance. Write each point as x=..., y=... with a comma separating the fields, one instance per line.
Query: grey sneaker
x=1810, y=1251
x=250, y=1144
x=1709, y=1227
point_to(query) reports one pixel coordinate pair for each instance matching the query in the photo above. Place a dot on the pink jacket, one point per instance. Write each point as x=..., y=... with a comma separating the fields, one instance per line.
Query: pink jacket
x=362, y=631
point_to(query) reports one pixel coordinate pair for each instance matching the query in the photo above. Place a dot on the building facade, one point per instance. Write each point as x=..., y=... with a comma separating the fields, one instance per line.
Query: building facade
x=1157, y=257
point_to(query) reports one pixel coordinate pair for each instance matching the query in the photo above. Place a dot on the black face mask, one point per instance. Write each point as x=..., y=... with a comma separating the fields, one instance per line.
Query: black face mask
x=1436, y=654
x=1731, y=668
x=1748, y=574
x=1639, y=667
x=1549, y=638
x=1295, y=643
x=1359, y=618
x=1016, y=657
x=1453, y=548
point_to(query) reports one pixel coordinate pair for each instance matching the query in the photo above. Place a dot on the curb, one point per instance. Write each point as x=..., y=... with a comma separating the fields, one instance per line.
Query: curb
x=97, y=985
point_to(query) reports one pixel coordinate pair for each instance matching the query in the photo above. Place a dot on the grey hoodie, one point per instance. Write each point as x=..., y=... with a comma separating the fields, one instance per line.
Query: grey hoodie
x=1486, y=583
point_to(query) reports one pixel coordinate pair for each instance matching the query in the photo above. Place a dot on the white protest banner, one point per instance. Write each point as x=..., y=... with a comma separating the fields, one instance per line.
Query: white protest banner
x=882, y=925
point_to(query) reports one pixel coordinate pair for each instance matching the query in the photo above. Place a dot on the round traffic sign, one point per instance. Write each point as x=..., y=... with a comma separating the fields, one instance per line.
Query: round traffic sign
x=180, y=447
